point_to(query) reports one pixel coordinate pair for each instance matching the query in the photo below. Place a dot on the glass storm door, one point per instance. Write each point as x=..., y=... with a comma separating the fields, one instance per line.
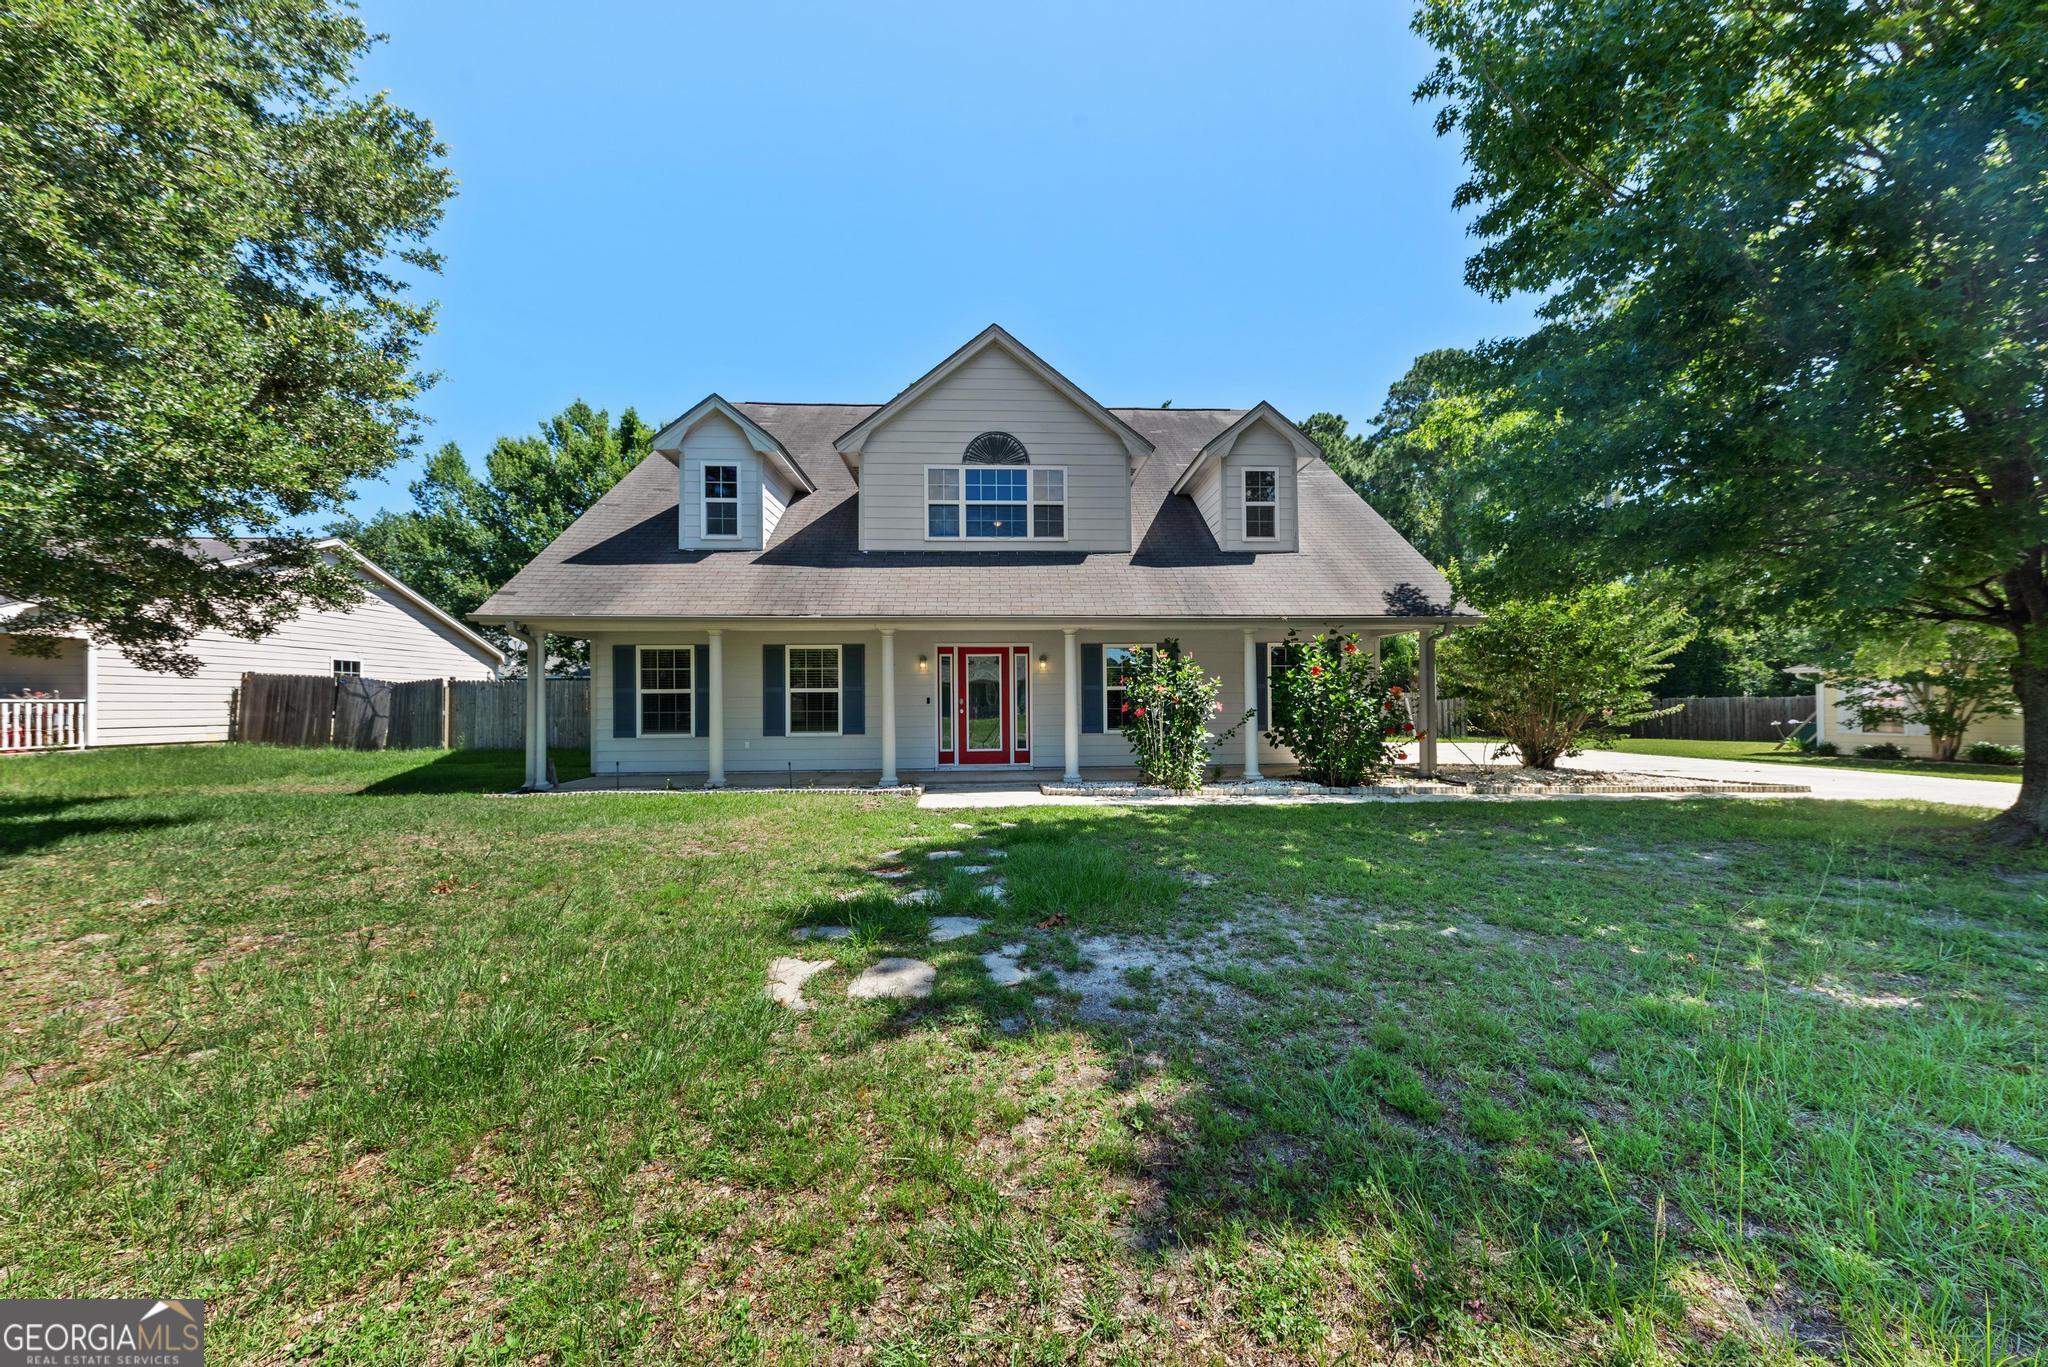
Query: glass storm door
x=984, y=710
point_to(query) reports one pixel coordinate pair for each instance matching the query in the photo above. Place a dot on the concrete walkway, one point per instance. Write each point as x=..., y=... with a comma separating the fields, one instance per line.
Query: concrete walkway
x=1827, y=781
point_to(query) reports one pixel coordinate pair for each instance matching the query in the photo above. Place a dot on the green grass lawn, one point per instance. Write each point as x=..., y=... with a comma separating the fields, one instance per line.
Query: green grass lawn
x=1763, y=751
x=390, y=1069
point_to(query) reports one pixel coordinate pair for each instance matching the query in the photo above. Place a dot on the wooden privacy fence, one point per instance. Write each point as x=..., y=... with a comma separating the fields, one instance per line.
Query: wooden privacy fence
x=1727, y=718
x=375, y=714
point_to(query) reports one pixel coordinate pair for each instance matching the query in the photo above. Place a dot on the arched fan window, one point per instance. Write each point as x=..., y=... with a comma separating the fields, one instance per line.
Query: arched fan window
x=995, y=448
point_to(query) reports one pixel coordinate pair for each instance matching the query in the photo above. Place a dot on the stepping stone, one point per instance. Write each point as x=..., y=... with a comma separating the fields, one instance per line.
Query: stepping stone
x=893, y=979
x=974, y=868
x=995, y=891
x=916, y=896
x=1003, y=967
x=943, y=854
x=821, y=933
x=786, y=979
x=892, y=871
x=963, y=825
x=889, y=856
x=995, y=854
x=946, y=928
x=1007, y=825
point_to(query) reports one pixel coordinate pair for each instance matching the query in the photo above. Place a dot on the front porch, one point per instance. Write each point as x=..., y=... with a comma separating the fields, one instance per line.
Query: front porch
x=862, y=704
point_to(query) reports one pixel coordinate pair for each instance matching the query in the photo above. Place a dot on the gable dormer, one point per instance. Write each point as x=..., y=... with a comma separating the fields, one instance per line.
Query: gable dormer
x=993, y=450
x=733, y=478
x=1245, y=482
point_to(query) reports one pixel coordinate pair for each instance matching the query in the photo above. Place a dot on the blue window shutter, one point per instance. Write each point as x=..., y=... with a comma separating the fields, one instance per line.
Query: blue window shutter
x=700, y=679
x=853, y=690
x=625, y=692
x=774, y=701
x=1091, y=690
x=1259, y=666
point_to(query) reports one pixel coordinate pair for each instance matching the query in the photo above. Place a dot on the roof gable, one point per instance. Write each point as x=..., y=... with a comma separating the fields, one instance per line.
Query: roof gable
x=1218, y=447
x=850, y=442
x=669, y=440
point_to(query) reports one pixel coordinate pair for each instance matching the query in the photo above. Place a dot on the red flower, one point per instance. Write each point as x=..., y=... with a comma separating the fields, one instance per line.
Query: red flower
x=1141, y=711
x=1408, y=726
x=1351, y=647
x=1315, y=671
x=1395, y=690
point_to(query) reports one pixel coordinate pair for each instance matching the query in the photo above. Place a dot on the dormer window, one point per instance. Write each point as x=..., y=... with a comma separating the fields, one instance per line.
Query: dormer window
x=1261, y=505
x=721, y=500
x=984, y=504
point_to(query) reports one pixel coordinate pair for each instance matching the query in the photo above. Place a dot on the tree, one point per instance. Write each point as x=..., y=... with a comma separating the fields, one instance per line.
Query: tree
x=1418, y=463
x=464, y=536
x=1545, y=673
x=203, y=331
x=1794, y=316
x=1944, y=678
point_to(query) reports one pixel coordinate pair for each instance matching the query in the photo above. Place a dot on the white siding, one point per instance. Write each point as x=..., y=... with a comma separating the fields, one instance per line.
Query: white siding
x=1207, y=492
x=775, y=498
x=1841, y=729
x=716, y=441
x=1260, y=448
x=63, y=674
x=392, y=638
x=994, y=392
x=1220, y=651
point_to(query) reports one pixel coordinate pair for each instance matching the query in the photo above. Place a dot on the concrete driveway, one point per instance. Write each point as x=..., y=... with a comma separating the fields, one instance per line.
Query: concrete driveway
x=1826, y=781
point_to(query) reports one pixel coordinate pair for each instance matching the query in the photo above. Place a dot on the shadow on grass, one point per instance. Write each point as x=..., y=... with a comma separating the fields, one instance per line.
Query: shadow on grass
x=29, y=824
x=471, y=771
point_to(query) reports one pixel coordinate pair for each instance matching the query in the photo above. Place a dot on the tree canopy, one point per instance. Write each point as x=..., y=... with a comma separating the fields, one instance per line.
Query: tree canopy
x=1794, y=320
x=204, y=330
x=465, y=535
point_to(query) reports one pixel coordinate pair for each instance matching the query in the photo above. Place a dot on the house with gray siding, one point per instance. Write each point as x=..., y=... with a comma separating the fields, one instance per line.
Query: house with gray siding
x=90, y=694
x=950, y=582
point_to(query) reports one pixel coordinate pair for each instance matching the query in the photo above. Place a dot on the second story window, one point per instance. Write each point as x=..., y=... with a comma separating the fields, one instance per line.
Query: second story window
x=983, y=504
x=1261, y=505
x=721, y=500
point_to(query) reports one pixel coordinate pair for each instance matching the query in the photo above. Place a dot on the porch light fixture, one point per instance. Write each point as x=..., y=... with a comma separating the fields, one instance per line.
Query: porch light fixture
x=1044, y=665
x=924, y=662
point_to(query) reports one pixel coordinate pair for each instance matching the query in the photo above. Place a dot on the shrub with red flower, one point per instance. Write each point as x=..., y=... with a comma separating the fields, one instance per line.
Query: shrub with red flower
x=1168, y=705
x=1334, y=710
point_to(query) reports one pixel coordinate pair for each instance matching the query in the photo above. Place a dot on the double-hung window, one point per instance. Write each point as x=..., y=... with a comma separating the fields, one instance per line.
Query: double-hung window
x=814, y=690
x=721, y=500
x=665, y=691
x=1261, y=505
x=995, y=503
x=348, y=669
x=1116, y=664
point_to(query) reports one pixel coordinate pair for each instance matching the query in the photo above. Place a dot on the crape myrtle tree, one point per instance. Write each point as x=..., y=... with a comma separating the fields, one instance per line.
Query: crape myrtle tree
x=1794, y=319
x=205, y=328
x=1946, y=678
x=466, y=534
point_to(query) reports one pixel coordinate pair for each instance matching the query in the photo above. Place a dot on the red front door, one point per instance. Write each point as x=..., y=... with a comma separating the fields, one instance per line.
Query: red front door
x=982, y=705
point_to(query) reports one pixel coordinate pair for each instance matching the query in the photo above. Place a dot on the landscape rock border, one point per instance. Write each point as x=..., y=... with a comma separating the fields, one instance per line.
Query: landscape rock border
x=1649, y=785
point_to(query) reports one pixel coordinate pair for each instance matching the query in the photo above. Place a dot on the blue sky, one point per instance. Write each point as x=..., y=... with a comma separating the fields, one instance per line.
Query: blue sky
x=1206, y=204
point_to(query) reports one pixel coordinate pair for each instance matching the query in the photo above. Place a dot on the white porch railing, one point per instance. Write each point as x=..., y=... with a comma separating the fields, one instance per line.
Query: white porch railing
x=42, y=724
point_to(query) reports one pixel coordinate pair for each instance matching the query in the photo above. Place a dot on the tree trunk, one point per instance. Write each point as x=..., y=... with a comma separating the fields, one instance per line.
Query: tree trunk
x=2026, y=821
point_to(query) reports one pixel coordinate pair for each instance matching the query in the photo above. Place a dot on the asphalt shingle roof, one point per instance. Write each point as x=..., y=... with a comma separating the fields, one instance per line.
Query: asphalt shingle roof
x=620, y=559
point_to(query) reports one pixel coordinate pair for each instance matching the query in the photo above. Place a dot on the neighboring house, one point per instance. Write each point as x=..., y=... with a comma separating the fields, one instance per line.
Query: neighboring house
x=952, y=579
x=1837, y=722
x=392, y=633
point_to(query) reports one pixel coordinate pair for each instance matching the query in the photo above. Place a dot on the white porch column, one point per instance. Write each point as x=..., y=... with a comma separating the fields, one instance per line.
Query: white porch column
x=1073, y=708
x=1426, y=679
x=536, y=708
x=1251, y=702
x=1820, y=708
x=888, y=707
x=92, y=693
x=714, y=769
